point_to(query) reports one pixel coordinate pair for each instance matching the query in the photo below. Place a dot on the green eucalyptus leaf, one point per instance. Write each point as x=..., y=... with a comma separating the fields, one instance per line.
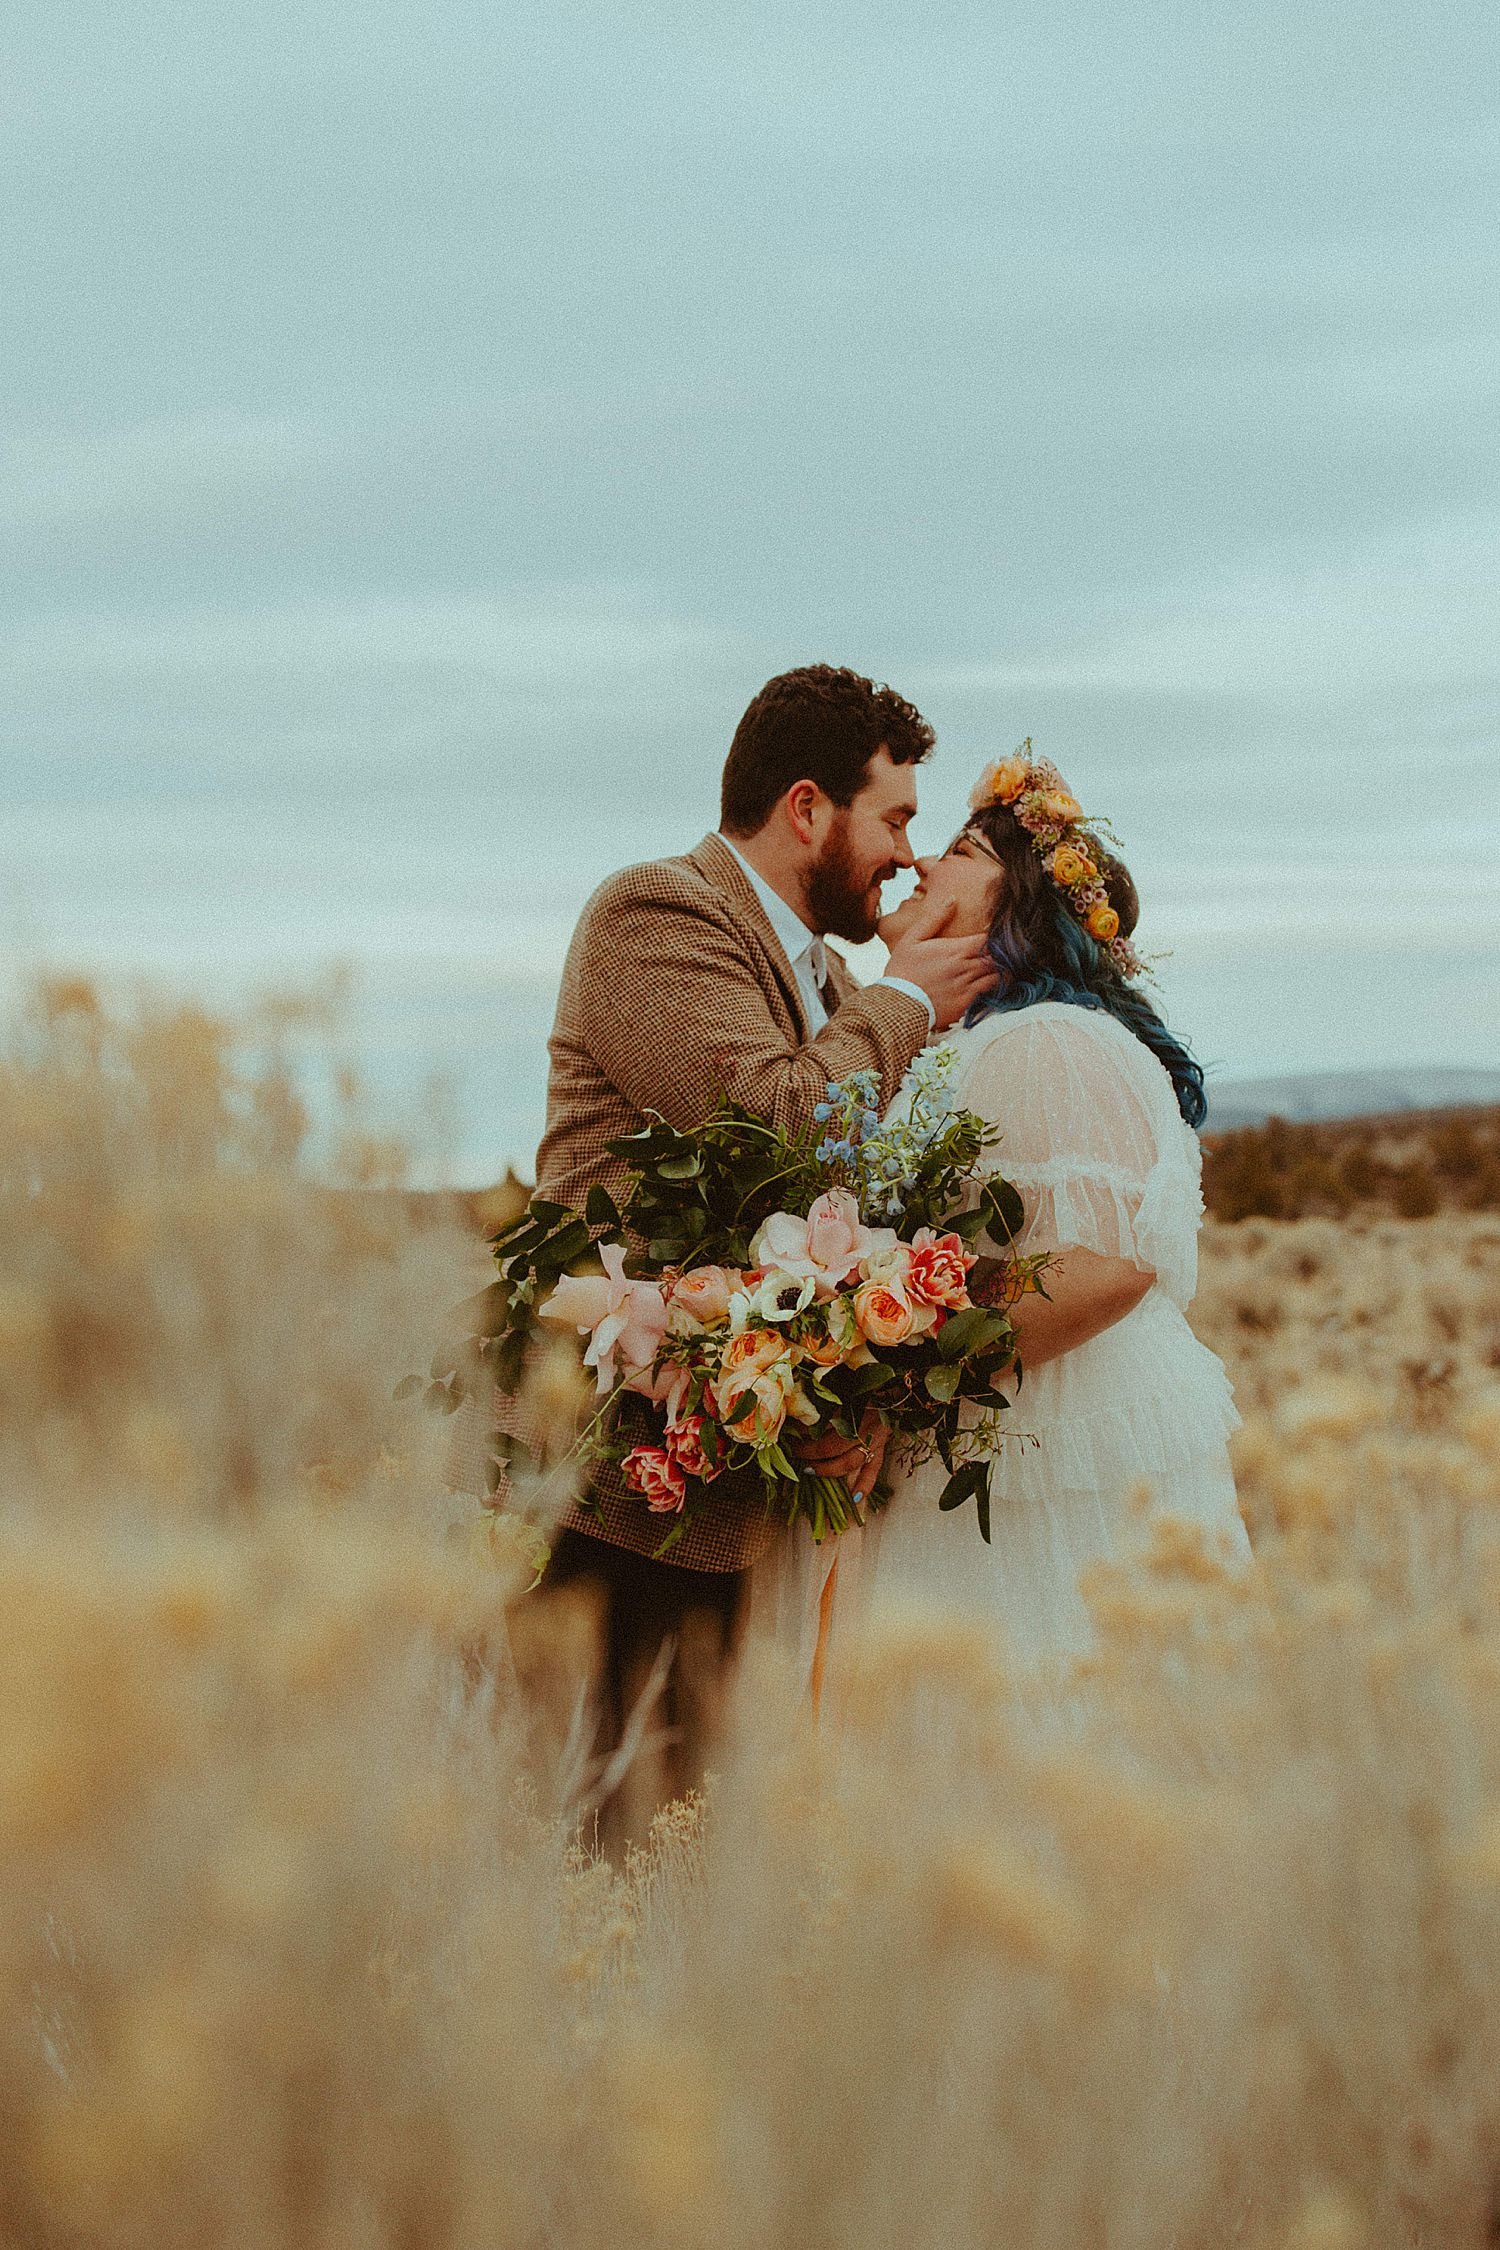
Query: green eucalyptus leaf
x=963, y=1485
x=562, y=1248
x=601, y=1210
x=510, y=1361
x=872, y=1377
x=684, y=1167
x=960, y=1335
x=488, y=1313
x=509, y=1449
x=1004, y=1211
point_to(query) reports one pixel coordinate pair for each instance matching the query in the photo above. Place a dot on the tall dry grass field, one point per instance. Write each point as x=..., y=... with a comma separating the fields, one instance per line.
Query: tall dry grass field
x=295, y=1950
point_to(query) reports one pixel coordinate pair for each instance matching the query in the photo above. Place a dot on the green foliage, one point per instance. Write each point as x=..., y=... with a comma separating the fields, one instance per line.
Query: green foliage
x=698, y=1198
x=534, y=1252
x=971, y=1482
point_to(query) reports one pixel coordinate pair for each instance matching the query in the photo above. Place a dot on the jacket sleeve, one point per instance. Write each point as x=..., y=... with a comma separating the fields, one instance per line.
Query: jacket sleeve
x=688, y=1024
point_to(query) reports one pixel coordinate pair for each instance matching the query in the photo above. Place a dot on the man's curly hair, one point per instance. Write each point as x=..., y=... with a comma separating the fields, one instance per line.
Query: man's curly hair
x=820, y=723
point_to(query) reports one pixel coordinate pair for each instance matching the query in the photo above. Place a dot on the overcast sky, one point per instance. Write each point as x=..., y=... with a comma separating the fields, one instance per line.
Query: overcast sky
x=424, y=428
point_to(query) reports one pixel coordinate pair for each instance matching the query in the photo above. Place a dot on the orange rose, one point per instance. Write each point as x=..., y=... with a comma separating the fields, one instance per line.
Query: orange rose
x=1060, y=805
x=762, y=1411
x=746, y=1354
x=883, y=1313
x=1007, y=779
x=755, y=1386
x=822, y=1350
x=1071, y=867
x=1103, y=923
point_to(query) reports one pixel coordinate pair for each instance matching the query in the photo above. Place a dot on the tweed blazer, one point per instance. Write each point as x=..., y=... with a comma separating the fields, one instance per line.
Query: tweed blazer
x=677, y=995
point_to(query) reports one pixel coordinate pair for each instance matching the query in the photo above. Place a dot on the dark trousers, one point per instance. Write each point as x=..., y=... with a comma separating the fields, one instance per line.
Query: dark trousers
x=661, y=1649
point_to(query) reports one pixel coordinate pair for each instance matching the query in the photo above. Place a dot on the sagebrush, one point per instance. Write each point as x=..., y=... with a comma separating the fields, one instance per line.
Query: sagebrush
x=298, y=1945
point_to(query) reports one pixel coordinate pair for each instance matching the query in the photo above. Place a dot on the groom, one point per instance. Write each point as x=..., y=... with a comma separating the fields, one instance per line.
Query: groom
x=694, y=980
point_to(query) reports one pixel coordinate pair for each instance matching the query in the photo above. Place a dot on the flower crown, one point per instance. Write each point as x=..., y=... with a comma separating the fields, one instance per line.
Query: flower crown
x=1052, y=817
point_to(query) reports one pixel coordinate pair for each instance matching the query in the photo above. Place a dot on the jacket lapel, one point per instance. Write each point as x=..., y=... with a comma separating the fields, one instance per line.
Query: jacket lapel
x=714, y=861
x=841, y=977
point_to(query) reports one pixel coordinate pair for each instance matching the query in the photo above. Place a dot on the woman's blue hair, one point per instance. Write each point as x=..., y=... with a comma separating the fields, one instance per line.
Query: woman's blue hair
x=1042, y=952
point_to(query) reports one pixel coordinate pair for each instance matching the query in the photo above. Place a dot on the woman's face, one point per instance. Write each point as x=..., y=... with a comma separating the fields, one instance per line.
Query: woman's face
x=968, y=876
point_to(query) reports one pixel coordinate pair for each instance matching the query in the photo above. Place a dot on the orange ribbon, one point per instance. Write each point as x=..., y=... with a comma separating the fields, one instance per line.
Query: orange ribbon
x=825, y=1626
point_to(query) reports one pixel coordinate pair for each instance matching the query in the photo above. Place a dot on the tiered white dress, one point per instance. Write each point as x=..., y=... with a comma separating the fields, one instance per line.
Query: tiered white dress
x=1099, y=1442
x=1094, y=1141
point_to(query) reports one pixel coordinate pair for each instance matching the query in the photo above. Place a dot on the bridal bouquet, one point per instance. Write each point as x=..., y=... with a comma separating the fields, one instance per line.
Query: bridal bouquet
x=786, y=1286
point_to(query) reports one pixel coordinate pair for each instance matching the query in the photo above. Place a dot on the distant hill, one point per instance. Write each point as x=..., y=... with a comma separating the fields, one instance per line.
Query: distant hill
x=1409, y=1162
x=1322, y=1096
x=1408, y=1143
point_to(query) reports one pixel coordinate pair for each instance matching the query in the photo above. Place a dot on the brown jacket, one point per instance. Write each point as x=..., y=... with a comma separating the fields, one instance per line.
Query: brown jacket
x=675, y=996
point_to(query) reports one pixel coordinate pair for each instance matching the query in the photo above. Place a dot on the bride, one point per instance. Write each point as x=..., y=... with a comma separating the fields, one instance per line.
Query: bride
x=1121, y=1414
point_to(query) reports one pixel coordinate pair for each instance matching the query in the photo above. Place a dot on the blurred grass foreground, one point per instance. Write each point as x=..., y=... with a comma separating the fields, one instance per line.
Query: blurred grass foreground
x=300, y=1946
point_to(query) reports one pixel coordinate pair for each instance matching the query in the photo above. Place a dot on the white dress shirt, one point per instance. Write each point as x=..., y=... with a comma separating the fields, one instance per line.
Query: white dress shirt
x=807, y=955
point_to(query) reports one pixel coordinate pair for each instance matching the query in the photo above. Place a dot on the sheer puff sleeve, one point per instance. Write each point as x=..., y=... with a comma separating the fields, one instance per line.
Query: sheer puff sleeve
x=1093, y=1140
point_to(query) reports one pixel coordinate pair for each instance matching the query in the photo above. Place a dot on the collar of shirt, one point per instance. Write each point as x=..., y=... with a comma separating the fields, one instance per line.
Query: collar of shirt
x=794, y=937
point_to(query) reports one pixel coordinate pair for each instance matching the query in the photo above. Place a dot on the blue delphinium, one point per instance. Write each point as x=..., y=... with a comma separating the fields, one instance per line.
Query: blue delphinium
x=879, y=1161
x=890, y=1154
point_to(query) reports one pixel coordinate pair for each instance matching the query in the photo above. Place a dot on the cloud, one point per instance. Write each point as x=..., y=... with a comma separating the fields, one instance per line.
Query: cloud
x=197, y=464
x=426, y=433
x=521, y=640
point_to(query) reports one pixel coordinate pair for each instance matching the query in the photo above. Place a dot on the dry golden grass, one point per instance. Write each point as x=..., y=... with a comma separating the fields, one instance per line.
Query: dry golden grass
x=292, y=1950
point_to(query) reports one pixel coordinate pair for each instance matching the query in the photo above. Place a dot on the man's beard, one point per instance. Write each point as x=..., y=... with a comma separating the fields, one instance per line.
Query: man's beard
x=838, y=903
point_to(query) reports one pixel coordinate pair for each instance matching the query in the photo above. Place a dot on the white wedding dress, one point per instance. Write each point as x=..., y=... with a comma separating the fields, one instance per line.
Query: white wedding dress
x=1099, y=1442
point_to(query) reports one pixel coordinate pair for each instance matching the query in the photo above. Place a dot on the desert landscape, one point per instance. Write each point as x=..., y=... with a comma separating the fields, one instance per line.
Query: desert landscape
x=295, y=1949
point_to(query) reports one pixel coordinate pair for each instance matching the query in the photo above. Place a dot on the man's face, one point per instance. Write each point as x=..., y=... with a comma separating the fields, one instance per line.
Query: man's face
x=862, y=846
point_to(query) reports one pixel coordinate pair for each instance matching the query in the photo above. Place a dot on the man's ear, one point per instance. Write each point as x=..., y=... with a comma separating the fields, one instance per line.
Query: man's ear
x=802, y=801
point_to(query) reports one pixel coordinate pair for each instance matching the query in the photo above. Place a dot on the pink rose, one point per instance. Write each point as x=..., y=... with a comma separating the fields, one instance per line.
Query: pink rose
x=940, y=1268
x=825, y=1247
x=658, y=1479
x=836, y=1240
x=704, y=1292
x=685, y=1445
